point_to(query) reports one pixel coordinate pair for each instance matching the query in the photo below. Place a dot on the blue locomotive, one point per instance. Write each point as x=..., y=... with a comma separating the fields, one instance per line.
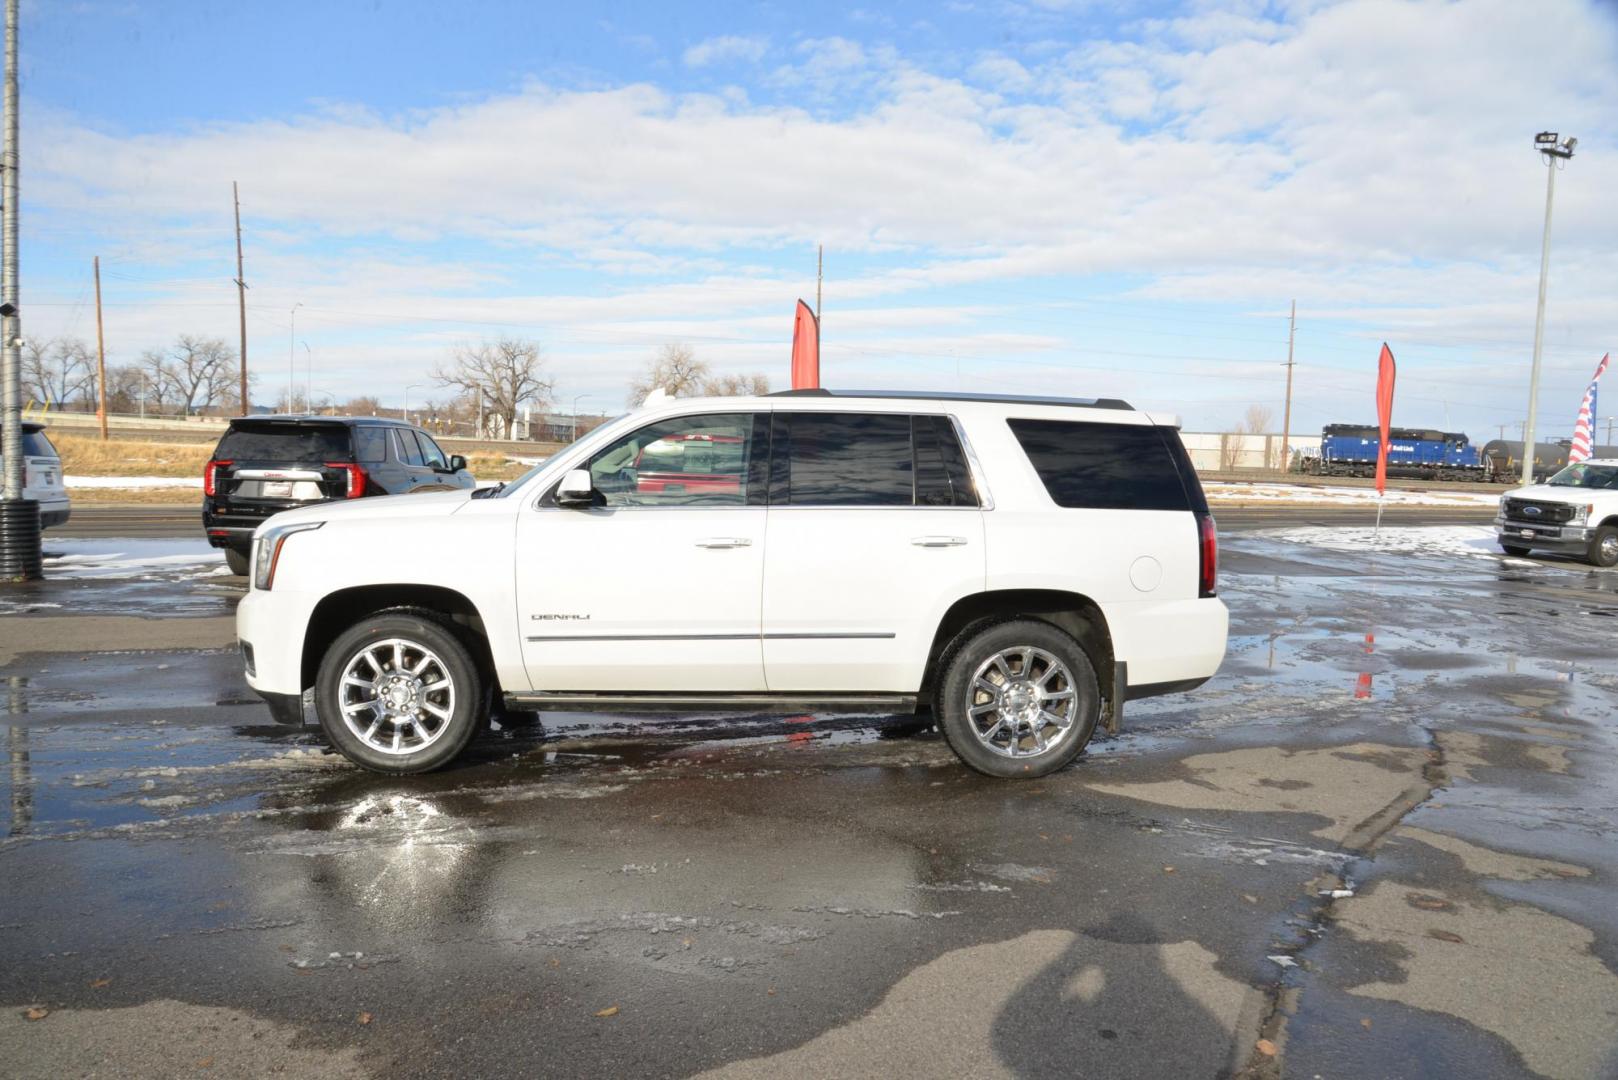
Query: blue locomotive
x=1424, y=453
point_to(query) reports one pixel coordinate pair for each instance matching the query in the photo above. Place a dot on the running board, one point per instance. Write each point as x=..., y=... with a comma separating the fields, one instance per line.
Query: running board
x=587, y=700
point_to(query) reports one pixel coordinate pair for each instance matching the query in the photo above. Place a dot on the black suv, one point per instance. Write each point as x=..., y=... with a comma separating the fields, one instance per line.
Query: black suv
x=266, y=464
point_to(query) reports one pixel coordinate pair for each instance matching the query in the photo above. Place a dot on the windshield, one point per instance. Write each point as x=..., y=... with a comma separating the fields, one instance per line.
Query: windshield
x=1584, y=475
x=299, y=443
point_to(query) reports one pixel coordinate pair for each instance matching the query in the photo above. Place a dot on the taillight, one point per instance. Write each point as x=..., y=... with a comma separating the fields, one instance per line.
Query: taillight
x=210, y=476
x=1208, y=551
x=356, y=477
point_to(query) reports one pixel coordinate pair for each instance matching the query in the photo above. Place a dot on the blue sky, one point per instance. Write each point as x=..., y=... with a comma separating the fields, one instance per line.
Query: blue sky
x=1080, y=198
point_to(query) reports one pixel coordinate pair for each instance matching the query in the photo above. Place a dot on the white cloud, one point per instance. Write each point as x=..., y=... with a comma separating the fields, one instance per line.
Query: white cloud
x=727, y=48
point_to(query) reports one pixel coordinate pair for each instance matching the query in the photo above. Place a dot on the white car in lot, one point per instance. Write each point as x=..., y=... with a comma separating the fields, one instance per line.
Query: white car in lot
x=1575, y=512
x=1022, y=566
x=42, y=476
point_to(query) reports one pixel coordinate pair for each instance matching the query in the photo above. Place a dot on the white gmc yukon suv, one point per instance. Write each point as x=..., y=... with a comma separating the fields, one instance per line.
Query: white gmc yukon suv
x=1575, y=512
x=1022, y=566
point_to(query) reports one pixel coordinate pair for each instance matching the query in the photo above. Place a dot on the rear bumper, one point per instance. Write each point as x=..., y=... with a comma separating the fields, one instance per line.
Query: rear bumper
x=54, y=513
x=1170, y=645
x=1566, y=539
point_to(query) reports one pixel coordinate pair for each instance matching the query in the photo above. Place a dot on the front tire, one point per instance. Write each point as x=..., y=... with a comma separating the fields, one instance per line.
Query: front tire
x=237, y=561
x=399, y=693
x=1604, y=547
x=1514, y=551
x=1018, y=699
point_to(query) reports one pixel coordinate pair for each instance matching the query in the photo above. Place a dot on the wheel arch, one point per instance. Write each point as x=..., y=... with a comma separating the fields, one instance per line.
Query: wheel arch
x=1073, y=613
x=1610, y=521
x=339, y=610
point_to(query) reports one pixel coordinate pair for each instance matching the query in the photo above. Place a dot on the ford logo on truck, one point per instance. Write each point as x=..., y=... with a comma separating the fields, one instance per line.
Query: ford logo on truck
x=1531, y=511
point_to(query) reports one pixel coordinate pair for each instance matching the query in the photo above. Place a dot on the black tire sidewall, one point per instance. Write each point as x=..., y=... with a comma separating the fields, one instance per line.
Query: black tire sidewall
x=1594, y=553
x=1514, y=551
x=950, y=706
x=441, y=639
x=239, y=562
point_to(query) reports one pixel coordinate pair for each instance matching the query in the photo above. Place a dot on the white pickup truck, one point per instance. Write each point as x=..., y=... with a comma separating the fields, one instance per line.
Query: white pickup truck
x=1575, y=512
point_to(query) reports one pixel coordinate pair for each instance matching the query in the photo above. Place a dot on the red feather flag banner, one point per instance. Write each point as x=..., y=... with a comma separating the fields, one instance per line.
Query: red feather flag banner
x=805, y=349
x=1385, y=371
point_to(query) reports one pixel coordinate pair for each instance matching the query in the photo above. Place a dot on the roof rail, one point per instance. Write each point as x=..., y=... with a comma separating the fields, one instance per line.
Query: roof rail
x=946, y=395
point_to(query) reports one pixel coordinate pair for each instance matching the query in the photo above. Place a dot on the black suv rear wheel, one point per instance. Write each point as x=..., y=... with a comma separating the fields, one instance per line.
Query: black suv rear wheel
x=1018, y=699
x=237, y=561
x=399, y=693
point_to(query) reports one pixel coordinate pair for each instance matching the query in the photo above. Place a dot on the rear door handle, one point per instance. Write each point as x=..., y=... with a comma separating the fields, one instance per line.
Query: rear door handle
x=938, y=541
x=724, y=542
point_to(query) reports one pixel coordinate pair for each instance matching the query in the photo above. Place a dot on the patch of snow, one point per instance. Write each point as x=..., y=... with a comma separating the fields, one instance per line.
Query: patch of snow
x=1225, y=491
x=130, y=558
x=1471, y=540
x=132, y=481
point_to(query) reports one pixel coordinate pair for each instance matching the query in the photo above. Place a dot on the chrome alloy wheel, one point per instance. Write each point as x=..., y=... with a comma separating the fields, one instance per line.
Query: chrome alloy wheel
x=1021, y=702
x=396, y=696
x=1609, y=549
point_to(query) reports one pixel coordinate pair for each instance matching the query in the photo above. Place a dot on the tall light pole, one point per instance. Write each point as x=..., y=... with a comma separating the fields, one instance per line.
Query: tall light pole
x=292, y=368
x=412, y=386
x=576, y=399
x=20, y=554
x=1551, y=147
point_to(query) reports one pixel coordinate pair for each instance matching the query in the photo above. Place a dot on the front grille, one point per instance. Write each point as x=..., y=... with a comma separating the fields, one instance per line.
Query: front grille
x=1546, y=513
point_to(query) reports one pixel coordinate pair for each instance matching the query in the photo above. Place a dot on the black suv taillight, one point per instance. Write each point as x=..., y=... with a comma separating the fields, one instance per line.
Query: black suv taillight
x=1208, y=556
x=356, y=477
x=210, y=475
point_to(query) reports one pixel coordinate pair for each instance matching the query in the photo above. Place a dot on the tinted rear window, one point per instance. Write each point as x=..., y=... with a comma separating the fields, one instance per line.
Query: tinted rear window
x=371, y=444
x=1106, y=466
x=285, y=442
x=35, y=444
x=847, y=459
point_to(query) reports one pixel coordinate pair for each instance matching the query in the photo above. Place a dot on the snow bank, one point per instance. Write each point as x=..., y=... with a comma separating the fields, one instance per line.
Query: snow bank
x=132, y=481
x=1468, y=540
x=181, y=558
x=1226, y=491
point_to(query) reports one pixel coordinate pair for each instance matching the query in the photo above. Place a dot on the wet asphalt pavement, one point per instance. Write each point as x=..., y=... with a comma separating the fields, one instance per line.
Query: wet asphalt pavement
x=1378, y=844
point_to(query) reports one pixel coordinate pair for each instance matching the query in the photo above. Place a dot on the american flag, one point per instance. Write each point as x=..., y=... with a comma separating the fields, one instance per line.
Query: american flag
x=1584, y=431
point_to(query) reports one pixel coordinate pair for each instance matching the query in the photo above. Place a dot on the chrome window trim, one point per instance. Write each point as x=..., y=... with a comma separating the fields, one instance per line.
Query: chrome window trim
x=973, y=465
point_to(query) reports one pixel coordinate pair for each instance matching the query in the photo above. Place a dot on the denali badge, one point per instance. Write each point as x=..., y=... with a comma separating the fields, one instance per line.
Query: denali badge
x=560, y=618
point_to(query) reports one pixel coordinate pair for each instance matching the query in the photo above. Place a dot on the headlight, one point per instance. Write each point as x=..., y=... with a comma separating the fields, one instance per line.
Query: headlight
x=1581, y=514
x=267, y=550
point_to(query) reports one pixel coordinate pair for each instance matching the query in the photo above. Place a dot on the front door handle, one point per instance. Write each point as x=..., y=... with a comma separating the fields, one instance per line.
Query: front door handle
x=938, y=541
x=724, y=542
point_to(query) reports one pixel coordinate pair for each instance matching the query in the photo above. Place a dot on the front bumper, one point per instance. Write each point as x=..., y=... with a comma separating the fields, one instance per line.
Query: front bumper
x=1567, y=539
x=273, y=625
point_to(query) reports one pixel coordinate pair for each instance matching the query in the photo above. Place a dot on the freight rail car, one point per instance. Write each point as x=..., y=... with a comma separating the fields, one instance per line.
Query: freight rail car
x=1423, y=453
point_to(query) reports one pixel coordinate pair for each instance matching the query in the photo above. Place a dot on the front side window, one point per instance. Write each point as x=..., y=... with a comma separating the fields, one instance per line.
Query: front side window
x=684, y=461
x=430, y=452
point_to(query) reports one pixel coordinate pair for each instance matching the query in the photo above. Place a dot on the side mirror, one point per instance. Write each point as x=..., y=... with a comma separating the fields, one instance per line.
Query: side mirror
x=457, y=463
x=576, y=492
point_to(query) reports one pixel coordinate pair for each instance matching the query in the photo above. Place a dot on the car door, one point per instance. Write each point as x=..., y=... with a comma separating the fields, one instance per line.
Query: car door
x=657, y=587
x=413, y=474
x=874, y=529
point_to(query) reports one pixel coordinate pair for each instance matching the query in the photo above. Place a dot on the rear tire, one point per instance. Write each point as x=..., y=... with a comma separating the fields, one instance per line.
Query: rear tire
x=399, y=693
x=1018, y=699
x=1513, y=550
x=237, y=561
x=1603, y=549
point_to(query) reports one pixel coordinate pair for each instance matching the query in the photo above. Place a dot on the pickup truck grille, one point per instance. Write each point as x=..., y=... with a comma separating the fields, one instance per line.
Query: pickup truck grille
x=1548, y=513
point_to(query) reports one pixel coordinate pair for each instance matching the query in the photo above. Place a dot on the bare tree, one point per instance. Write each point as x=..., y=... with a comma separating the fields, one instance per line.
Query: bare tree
x=365, y=405
x=675, y=370
x=1230, y=449
x=197, y=371
x=58, y=370
x=755, y=385
x=1257, y=422
x=506, y=375
x=158, y=387
x=123, y=388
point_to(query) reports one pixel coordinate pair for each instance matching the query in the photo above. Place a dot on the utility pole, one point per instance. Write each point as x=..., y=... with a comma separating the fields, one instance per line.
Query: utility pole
x=1552, y=147
x=1502, y=432
x=101, y=358
x=820, y=272
x=20, y=556
x=1286, y=410
x=241, y=293
x=292, y=367
x=1610, y=421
